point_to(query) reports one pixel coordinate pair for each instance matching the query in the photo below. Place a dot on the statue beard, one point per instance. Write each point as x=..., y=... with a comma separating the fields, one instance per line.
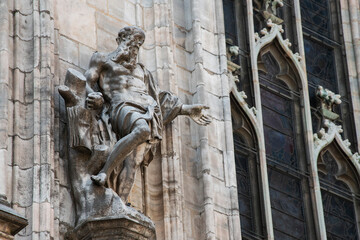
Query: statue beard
x=123, y=56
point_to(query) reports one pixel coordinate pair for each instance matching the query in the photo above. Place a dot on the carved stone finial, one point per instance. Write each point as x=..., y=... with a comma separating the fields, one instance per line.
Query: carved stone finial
x=328, y=101
x=267, y=10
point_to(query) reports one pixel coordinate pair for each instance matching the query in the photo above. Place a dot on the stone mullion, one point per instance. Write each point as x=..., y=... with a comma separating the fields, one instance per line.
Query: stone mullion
x=314, y=178
x=261, y=141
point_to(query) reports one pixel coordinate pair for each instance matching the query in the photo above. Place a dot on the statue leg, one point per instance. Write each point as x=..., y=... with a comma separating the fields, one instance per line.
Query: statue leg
x=138, y=135
x=128, y=173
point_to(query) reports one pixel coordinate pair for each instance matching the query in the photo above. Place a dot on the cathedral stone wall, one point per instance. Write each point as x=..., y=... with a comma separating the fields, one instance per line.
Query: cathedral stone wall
x=189, y=189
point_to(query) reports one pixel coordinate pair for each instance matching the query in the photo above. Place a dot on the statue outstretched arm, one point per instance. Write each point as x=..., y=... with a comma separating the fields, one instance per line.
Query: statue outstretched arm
x=197, y=113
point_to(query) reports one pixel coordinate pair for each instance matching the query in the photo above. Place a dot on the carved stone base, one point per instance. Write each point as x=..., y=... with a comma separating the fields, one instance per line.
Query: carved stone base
x=114, y=229
x=10, y=221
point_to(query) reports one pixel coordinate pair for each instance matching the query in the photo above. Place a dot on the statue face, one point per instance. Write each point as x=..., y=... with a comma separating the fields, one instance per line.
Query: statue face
x=129, y=40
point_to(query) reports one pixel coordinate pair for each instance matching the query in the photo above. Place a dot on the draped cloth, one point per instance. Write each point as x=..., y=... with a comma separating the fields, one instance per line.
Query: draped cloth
x=164, y=109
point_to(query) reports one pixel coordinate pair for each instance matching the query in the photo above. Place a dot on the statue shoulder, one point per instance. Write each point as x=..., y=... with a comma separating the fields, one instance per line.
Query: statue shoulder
x=98, y=59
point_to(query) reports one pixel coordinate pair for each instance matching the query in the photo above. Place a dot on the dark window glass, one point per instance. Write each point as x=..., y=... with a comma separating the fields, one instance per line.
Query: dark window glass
x=247, y=168
x=320, y=65
x=339, y=211
x=325, y=62
x=236, y=34
x=285, y=179
x=315, y=16
x=243, y=184
x=230, y=22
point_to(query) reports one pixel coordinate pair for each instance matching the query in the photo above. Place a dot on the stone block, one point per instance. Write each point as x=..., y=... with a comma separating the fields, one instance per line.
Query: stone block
x=109, y=229
x=24, y=188
x=98, y=4
x=207, y=14
x=179, y=13
x=123, y=10
x=24, y=27
x=69, y=50
x=193, y=190
x=24, y=55
x=216, y=162
x=211, y=62
x=213, y=84
x=24, y=129
x=149, y=23
x=105, y=41
x=216, y=134
x=66, y=207
x=222, y=226
x=147, y=3
x=148, y=58
x=76, y=20
x=149, y=40
x=179, y=36
x=209, y=41
x=183, y=78
x=25, y=7
x=22, y=150
x=108, y=23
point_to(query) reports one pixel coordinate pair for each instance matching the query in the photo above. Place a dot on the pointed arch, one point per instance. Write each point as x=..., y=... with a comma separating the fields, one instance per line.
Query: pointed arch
x=286, y=125
x=333, y=135
x=339, y=177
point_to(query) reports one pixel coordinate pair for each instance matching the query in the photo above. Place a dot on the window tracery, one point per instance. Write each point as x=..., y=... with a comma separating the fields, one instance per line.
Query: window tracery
x=287, y=172
x=325, y=61
x=338, y=199
x=247, y=175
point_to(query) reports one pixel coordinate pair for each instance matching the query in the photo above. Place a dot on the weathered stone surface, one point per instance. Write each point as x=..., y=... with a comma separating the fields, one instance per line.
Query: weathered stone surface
x=10, y=221
x=124, y=10
x=122, y=228
x=77, y=21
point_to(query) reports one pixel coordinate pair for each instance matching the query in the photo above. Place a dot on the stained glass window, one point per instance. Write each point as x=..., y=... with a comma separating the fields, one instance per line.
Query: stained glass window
x=284, y=172
x=230, y=22
x=246, y=161
x=236, y=34
x=338, y=205
x=315, y=16
x=325, y=61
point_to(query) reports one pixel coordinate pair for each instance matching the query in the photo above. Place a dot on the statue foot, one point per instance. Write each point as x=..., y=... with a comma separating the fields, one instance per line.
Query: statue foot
x=99, y=179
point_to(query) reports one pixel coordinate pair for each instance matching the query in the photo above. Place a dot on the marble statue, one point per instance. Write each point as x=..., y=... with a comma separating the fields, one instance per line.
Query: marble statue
x=116, y=113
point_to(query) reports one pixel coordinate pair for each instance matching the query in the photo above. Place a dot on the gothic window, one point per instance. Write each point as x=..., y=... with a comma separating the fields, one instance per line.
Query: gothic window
x=247, y=175
x=236, y=34
x=325, y=61
x=339, y=201
x=287, y=171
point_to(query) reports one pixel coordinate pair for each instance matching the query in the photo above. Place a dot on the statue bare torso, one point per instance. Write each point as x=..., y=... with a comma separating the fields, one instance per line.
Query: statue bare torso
x=119, y=84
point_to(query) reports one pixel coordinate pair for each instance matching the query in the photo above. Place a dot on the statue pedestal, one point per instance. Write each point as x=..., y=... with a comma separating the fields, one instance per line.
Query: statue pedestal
x=114, y=229
x=10, y=221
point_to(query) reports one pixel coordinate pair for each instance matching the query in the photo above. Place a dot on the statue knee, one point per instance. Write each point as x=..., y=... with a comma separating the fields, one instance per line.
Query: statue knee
x=143, y=131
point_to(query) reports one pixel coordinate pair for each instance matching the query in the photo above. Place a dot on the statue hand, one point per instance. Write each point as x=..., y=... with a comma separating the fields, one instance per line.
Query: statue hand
x=94, y=100
x=196, y=113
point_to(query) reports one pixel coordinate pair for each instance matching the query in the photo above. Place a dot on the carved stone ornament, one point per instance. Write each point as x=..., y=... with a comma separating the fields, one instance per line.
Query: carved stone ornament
x=115, y=115
x=328, y=100
x=267, y=9
x=331, y=131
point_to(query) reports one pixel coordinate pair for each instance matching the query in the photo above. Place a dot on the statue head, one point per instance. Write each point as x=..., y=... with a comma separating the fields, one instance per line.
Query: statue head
x=129, y=40
x=131, y=36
